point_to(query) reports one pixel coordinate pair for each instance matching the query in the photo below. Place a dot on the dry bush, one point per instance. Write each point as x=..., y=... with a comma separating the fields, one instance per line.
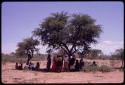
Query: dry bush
x=102, y=68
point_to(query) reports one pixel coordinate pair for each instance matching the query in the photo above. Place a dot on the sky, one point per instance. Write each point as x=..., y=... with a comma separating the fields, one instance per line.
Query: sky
x=19, y=19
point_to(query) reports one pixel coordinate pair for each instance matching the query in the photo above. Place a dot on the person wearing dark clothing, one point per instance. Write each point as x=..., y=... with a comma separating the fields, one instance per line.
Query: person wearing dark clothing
x=59, y=63
x=30, y=65
x=37, y=66
x=71, y=63
x=16, y=66
x=54, y=65
x=48, y=62
x=81, y=63
x=77, y=65
x=20, y=67
x=94, y=63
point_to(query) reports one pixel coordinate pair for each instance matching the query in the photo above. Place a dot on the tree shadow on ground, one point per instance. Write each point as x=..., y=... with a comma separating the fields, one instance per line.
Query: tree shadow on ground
x=39, y=70
x=44, y=70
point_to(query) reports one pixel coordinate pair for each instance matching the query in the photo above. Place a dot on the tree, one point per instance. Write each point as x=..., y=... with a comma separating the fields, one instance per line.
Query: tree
x=72, y=33
x=119, y=54
x=26, y=47
x=94, y=53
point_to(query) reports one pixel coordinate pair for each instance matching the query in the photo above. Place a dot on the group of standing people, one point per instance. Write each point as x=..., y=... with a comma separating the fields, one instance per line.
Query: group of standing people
x=64, y=63
x=58, y=64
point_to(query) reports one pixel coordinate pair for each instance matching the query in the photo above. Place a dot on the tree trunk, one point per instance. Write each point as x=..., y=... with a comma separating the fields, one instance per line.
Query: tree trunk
x=122, y=64
x=29, y=58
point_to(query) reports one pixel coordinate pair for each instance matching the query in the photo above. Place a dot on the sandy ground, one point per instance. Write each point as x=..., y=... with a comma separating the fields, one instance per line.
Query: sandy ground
x=10, y=75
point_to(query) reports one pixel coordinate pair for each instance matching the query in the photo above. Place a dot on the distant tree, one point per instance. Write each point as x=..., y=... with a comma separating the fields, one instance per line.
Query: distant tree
x=72, y=33
x=94, y=53
x=27, y=46
x=12, y=54
x=119, y=54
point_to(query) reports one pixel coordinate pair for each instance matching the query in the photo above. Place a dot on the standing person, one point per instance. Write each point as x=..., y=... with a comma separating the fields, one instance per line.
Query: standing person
x=77, y=65
x=54, y=66
x=59, y=63
x=16, y=66
x=48, y=62
x=66, y=63
x=81, y=63
x=72, y=63
x=37, y=66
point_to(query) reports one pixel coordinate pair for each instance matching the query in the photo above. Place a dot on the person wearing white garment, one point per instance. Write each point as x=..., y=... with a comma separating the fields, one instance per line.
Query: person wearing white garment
x=72, y=63
x=66, y=63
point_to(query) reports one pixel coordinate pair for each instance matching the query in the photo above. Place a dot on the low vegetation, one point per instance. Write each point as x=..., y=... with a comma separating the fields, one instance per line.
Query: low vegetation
x=102, y=68
x=13, y=58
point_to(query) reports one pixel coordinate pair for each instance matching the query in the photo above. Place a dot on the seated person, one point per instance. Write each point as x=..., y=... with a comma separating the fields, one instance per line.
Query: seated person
x=31, y=66
x=94, y=63
x=26, y=67
x=20, y=67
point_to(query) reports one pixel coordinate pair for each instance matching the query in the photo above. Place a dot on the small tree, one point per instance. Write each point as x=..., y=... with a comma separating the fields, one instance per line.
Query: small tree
x=26, y=47
x=94, y=53
x=119, y=54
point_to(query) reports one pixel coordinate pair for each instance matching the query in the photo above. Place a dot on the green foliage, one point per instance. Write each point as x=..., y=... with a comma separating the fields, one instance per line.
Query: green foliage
x=72, y=33
x=118, y=54
x=27, y=45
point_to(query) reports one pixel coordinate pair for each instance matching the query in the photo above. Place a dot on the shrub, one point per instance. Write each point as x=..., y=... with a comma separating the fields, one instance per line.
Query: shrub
x=104, y=68
x=91, y=68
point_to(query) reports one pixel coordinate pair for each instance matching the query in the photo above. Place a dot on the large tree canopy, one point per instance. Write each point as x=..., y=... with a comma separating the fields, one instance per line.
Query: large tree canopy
x=72, y=33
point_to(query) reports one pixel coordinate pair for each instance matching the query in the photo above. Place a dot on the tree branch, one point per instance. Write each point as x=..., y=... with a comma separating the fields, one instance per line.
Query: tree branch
x=64, y=45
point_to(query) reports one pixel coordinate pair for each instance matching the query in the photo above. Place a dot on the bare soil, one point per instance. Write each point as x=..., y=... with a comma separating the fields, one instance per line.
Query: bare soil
x=10, y=75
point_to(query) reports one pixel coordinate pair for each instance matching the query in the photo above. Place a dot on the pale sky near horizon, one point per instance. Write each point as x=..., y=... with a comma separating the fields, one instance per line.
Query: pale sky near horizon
x=19, y=19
